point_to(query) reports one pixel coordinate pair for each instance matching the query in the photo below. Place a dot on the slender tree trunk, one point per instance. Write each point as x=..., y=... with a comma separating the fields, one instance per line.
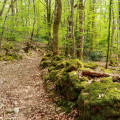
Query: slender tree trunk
x=108, y=39
x=48, y=4
x=38, y=22
x=112, y=36
x=29, y=12
x=118, y=34
x=3, y=7
x=81, y=36
x=71, y=35
x=56, y=27
x=72, y=17
x=32, y=33
x=3, y=28
x=93, y=34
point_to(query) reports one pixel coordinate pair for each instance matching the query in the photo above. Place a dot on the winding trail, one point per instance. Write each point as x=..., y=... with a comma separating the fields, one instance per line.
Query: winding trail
x=22, y=95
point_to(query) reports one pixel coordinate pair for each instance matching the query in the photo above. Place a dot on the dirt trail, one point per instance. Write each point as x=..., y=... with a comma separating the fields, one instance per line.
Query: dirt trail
x=22, y=95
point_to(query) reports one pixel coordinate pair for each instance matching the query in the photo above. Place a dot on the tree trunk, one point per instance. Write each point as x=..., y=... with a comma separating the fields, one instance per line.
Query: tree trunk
x=71, y=36
x=3, y=7
x=81, y=36
x=112, y=36
x=32, y=33
x=48, y=4
x=118, y=34
x=56, y=27
x=108, y=39
x=3, y=28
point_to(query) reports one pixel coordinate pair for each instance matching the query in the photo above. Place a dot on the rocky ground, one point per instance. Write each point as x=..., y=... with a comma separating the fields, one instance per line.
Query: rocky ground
x=22, y=93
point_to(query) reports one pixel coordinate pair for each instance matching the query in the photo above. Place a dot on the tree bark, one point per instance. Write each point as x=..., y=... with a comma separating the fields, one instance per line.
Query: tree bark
x=108, y=39
x=71, y=36
x=3, y=7
x=3, y=28
x=81, y=36
x=118, y=33
x=48, y=4
x=112, y=36
x=56, y=27
x=32, y=33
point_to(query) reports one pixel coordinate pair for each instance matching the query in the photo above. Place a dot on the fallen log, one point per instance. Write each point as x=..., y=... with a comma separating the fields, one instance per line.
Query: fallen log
x=94, y=74
x=115, y=78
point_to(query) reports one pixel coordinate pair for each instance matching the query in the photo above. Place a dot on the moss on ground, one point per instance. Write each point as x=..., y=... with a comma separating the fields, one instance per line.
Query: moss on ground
x=91, y=65
x=107, y=80
x=106, y=70
x=45, y=64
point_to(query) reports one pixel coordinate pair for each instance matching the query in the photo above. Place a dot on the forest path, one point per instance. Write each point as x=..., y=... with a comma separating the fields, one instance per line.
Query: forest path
x=22, y=93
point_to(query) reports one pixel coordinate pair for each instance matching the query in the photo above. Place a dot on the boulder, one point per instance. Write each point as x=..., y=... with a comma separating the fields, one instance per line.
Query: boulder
x=100, y=101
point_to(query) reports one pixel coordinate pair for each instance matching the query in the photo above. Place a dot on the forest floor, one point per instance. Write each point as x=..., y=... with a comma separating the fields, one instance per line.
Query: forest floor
x=22, y=92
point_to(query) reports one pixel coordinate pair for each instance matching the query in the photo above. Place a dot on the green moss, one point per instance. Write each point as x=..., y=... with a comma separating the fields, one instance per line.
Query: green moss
x=53, y=74
x=84, y=79
x=17, y=56
x=51, y=68
x=107, y=80
x=70, y=68
x=99, y=100
x=59, y=74
x=61, y=64
x=75, y=64
x=1, y=57
x=106, y=70
x=73, y=76
x=45, y=64
x=57, y=58
x=8, y=46
x=45, y=59
x=9, y=58
x=83, y=85
x=54, y=63
x=91, y=65
x=78, y=63
x=71, y=94
x=47, y=77
x=113, y=62
x=81, y=69
x=49, y=55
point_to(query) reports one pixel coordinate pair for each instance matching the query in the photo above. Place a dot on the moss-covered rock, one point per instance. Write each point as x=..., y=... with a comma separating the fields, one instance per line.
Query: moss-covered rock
x=84, y=79
x=81, y=69
x=57, y=58
x=45, y=64
x=75, y=64
x=53, y=74
x=17, y=56
x=49, y=55
x=45, y=59
x=91, y=65
x=51, y=68
x=100, y=101
x=1, y=57
x=70, y=84
x=47, y=77
x=61, y=64
x=107, y=80
x=59, y=74
x=9, y=58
